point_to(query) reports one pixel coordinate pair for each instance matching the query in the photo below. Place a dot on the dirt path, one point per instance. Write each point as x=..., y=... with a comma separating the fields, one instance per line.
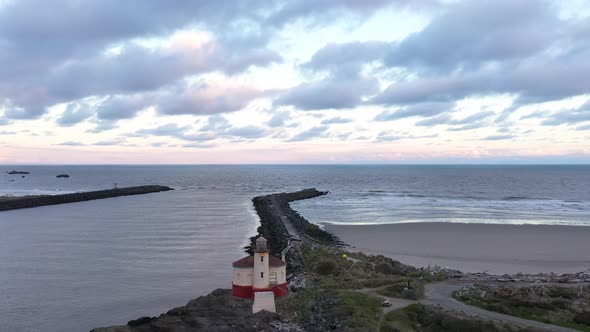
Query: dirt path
x=396, y=303
x=440, y=294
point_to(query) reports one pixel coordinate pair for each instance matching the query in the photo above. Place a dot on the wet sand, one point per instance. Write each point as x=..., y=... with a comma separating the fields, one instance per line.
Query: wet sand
x=496, y=249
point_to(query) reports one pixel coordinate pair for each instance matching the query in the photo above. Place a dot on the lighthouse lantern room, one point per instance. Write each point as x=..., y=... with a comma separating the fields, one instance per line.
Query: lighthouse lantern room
x=261, y=272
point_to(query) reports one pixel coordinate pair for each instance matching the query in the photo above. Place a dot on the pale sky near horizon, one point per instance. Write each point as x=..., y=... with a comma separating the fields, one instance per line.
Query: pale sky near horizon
x=351, y=81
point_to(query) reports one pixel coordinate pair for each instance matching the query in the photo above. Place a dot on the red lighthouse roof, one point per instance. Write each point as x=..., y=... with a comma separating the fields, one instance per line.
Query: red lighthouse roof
x=249, y=262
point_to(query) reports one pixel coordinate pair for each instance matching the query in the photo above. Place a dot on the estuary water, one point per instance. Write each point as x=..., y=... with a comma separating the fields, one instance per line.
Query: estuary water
x=76, y=266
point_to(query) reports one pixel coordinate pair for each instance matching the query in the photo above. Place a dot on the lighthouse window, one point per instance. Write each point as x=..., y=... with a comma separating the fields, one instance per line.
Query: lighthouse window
x=262, y=258
x=261, y=274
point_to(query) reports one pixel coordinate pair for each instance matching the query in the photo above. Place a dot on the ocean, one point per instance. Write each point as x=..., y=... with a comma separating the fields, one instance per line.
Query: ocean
x=76, y=266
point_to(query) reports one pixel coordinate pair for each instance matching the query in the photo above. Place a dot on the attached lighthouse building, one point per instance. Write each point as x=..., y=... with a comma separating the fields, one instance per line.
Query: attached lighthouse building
x=261, y=272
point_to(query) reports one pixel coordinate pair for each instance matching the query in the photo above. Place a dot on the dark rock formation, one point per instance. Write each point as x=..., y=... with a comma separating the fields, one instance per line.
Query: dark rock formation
x=271, y=209
x=34, y=201
x=218, y=311
x=18, y=172
x=62, y=176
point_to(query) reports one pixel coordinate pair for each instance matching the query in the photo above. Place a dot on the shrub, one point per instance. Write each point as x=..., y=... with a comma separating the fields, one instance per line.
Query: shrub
x=326, y=267
x=384, y=268
x=583, y=318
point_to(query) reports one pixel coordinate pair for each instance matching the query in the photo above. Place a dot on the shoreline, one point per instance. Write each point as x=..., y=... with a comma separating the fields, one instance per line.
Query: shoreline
x=23, y=202
x=494, y=248
x=279, y=223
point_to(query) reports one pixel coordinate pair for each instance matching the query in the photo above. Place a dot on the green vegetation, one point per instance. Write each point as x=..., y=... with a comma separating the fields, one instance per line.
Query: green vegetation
x=560, y=305
x=334, y=268
x=325, y=310
x=332, y=299
x=401, y=290
x=419, y=318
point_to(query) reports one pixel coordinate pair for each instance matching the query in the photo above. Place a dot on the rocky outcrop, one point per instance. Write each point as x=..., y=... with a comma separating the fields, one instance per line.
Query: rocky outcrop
x=34, y=201
x=272, y=210
x=218, y=311
x=18, y=172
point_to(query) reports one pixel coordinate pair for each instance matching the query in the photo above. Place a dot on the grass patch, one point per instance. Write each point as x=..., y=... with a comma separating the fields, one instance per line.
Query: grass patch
x=318, y=310
x=365, y=310
x=417, y=317
x=334, y=268
x=558, y=305
x=401, y=290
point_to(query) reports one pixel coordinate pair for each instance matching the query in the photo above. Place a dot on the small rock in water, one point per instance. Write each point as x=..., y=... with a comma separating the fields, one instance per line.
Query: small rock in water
x=62, y=176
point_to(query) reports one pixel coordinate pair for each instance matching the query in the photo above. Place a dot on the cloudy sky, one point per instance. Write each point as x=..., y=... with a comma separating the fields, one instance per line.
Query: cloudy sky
x=309, y=81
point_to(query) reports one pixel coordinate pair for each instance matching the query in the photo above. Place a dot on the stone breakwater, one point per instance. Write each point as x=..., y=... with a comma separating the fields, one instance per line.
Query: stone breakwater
x=275, y=214
x=219, y=311
x=34, y=201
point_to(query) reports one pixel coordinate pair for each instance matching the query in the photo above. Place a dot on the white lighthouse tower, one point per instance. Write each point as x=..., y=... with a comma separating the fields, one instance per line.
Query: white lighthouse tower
x=261, y=265
x=261, y=272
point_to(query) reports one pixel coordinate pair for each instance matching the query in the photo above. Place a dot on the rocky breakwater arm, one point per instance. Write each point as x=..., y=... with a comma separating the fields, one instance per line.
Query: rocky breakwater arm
x=279, y=223
x=34, y=201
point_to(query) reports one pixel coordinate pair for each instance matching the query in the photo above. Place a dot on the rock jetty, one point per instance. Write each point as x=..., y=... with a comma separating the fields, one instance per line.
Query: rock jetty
x=18, y=172
x=34, y=201
x=276, y=214
x=219, y=311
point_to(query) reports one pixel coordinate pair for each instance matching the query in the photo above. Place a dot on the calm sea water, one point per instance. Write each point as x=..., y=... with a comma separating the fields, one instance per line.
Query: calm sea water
x=76, y=266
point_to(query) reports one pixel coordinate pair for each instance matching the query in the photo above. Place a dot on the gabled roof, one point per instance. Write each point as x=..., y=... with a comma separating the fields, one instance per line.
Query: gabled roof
x=249, y=262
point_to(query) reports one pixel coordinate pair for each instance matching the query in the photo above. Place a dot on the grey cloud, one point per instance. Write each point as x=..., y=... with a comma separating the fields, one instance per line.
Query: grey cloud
x=583, y=127
x=537, y=81
x=198, y=145
x=574, y=116
x=498, y=137
x=346, y=59
x=116, y=141
x=469, y=126
x=173, y=130
x=434, y=121
x=329, y=93
x=470, y=33
x=313, y=132
x=323, y=10
x=201, y=98
x=121, y=107
x=567, y=117
x=336, y=120
x=388, y=137
x=479, y=116
x=71, y=143
x=423, y=110
x=216, y=123
x=169, y=129
x=61, y=57
x=74, y=113
x=248, y=132
x=278, y=119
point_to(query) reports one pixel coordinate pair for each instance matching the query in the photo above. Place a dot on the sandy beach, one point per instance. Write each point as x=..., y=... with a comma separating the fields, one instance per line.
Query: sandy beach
x=475, y=247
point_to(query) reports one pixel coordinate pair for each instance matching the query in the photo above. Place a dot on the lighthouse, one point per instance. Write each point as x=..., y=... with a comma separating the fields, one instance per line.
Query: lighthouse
x=261, y=272
x=261, y=265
